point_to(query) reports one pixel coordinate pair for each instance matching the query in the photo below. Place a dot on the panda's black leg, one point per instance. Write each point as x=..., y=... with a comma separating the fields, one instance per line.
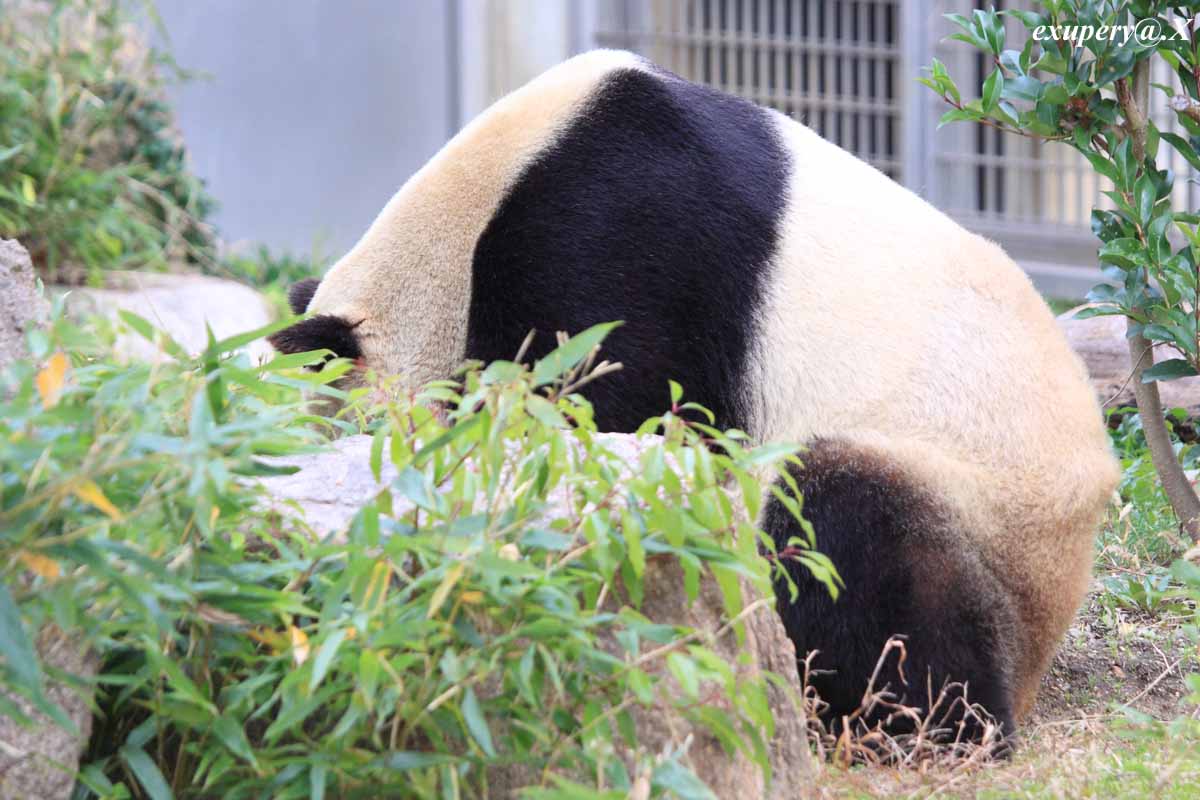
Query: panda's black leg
x=909, y=571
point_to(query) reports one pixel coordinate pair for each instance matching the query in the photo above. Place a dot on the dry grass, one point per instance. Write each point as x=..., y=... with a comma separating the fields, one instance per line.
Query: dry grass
x=937, y=739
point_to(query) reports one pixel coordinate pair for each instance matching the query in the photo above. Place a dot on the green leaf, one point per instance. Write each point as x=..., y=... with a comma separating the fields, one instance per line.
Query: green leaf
x=1096, y=311
x=1125, y=163
x=684, y=670
x=1102, y=165
x=1055, y=94
x=1146, y=192
x=1169, y=370
x=564, y=358
x=1183, y=147
x=634, y=551
x=672, y=776
x=376, y=455
x=1023, y=87
x=1052, y=63
x=993, y=87
x=1116, y=65
x=240, y=340
x=957, y=115
x=476, y=723
x=325, y=657
x=1126, y=253
x=318, y=777
x=1030, y=19
x=544, y=412
x=989, y=24
x=1011, y=60
x=147, y=773
x=233, y=736
x=403, y=761
x=15, y=645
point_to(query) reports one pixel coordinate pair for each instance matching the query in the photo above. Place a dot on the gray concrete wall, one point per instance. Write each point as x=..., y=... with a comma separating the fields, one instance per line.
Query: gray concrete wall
x=314, y=111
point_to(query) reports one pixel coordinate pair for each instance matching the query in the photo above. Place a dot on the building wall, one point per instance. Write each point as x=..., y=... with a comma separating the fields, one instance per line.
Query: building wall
x=314, y=111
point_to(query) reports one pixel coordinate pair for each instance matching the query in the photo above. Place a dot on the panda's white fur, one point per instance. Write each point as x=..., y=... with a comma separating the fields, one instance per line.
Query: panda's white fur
x=916, y=353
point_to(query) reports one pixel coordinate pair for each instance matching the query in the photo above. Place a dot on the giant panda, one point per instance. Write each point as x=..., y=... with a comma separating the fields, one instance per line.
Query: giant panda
x=956, y=466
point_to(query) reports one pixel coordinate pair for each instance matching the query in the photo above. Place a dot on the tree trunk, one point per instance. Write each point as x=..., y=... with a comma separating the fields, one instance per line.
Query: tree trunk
x=1135, y=105
x=1175, y=483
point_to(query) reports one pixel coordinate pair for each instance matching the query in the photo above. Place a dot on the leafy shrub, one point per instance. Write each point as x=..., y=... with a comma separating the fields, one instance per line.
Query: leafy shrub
x=264, y=268
x=460, y=628
x=272, y=273
x=91, y=176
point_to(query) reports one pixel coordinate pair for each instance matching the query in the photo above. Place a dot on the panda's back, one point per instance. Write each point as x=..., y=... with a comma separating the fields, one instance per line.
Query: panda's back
x=787, y=285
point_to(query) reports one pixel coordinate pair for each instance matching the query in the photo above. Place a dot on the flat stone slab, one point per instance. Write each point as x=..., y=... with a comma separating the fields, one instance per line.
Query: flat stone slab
x=1101, y=343
x=180, y=304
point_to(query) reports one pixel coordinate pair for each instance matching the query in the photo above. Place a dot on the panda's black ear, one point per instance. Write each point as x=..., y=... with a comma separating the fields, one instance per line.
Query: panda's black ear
x=300, y=294
x=322, y=332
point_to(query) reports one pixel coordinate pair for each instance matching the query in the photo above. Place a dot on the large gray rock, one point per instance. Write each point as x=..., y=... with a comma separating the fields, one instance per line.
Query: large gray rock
x=179, y=304
x=1101, y=343
x=21, y=306
x=330, y=488
x=41, y=761
x=38, y=761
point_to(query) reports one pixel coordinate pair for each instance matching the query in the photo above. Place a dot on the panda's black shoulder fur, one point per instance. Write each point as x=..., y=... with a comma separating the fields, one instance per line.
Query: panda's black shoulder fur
x=658, y=205
x=906, y=573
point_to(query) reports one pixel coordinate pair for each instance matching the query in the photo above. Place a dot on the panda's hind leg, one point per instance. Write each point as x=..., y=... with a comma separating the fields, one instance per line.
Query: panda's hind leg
x=910, y=570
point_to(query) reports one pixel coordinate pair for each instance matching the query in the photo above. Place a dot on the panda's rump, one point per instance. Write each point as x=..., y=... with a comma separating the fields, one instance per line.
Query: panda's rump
x=909, y=570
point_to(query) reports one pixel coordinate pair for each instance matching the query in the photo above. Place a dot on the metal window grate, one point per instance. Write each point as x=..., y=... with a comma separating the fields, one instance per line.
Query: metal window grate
x=833, y=64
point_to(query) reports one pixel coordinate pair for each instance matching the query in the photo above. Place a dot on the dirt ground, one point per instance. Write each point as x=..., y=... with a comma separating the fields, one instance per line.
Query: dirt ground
x=1078, y=741
x=1117, y=656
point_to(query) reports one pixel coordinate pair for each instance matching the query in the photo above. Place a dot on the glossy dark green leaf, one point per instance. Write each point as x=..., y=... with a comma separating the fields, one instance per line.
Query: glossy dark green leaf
x=993, y=87
x=1183, y=147
x=1168, y=370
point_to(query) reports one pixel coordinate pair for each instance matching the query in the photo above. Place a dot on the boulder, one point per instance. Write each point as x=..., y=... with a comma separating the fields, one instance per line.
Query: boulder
x=1101, y=343
x=39, y=761
x=331, y=486
x=22, y=307
x=180, y=304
